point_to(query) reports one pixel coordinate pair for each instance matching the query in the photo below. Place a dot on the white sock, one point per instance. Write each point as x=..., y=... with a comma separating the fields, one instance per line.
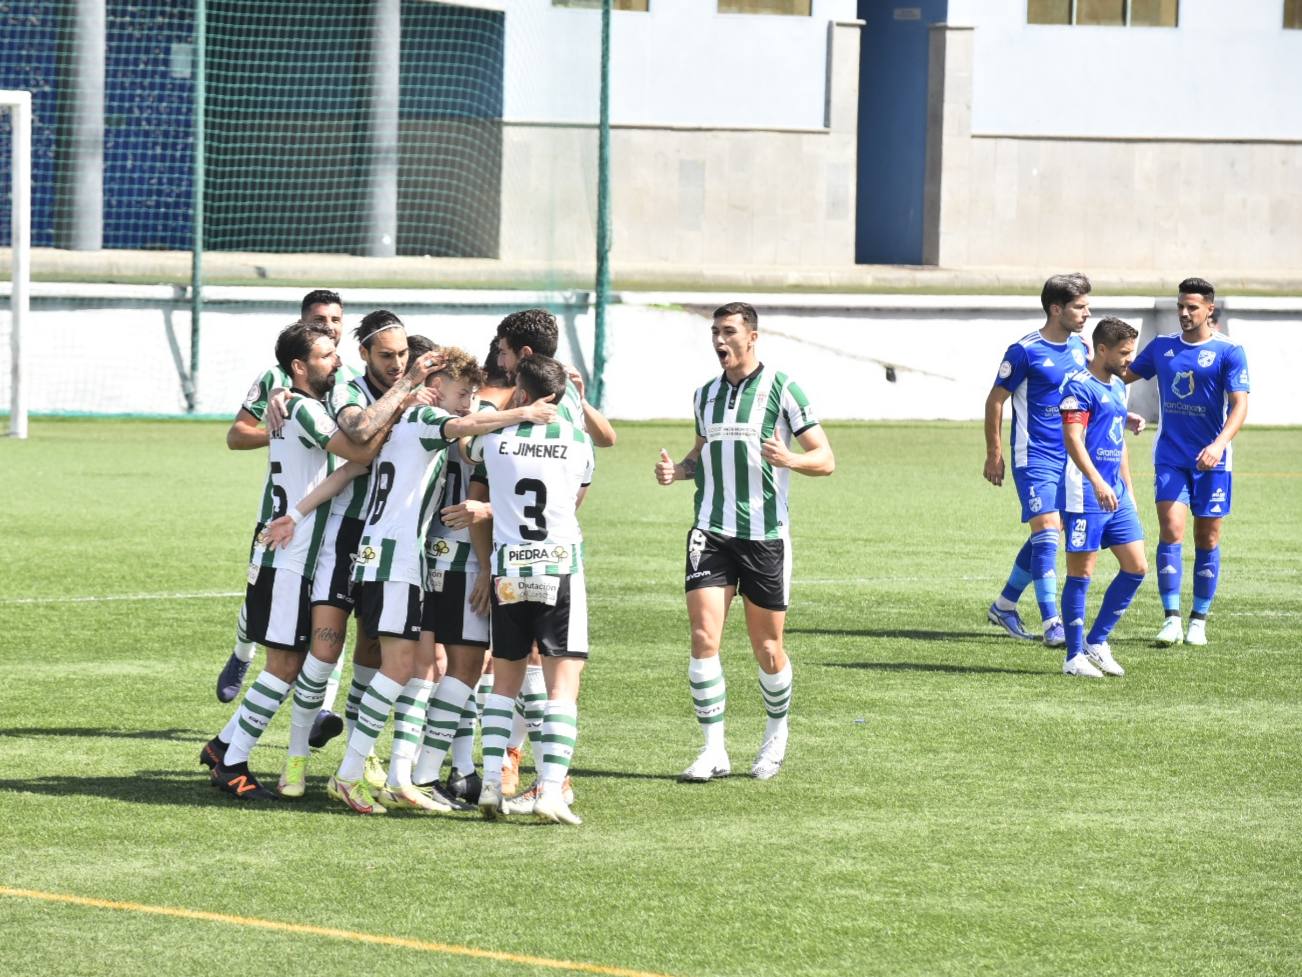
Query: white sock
x=709, y=698
x=332, y=684
x=560, y=731
x=362, y=675
x=373, y=712
x=495, y=728
x=308, y=690
x=408, y=724
x=259, y=707
x=776, y=692
x=442, y=717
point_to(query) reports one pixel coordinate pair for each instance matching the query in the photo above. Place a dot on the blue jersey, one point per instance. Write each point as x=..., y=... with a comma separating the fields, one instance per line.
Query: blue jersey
x=1102, y=406
x=1032, y=371
x=1194, y=383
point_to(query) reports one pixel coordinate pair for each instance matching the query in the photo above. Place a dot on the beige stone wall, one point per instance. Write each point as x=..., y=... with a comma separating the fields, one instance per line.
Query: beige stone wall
x=691, y=196
x=1172, y=207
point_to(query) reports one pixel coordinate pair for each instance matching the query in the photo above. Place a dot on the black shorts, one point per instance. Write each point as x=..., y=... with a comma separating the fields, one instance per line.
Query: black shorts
x=447, y=613
x=759, y=568
x=333, y=581
x=277, y=611
x=561, y=629
x=388, y=610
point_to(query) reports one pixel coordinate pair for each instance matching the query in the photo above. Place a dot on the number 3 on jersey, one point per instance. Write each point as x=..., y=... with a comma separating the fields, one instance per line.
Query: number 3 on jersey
x=537, y=512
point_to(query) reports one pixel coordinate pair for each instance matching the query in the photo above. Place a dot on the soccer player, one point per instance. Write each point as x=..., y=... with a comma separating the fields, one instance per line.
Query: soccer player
x=246, y=432
x=740, y=540
x=533, y=332
x=279, y=580
x=538, y=475
x=390, y=574
x=1097, y=499
x=1031, y=372
x=1202, y=379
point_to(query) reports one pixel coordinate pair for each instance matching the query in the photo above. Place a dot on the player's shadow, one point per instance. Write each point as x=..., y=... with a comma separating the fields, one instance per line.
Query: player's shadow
x=943, y=668
x=622, y=774
x=174, y=735
x=908, y=634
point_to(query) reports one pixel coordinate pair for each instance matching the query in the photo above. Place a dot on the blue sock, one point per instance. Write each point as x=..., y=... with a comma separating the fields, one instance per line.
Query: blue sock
x=1115, y=601
x=1021, y=575
x=1207, y=574
x=1170, y=575
x=1073, y=613
x=1044, y=557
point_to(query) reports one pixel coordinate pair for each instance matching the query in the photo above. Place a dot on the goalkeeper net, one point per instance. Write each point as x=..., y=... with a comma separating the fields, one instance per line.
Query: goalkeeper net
x=448, y=129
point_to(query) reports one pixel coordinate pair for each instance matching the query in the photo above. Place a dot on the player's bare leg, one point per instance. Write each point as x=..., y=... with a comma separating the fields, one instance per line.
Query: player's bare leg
x=707, y=611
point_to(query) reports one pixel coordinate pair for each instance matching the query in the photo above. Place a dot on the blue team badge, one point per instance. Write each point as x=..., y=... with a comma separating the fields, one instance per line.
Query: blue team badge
x=1078, y=356
x=1034, y=503
x=1182, y=384
x=1117, y=431
x=1205, y=357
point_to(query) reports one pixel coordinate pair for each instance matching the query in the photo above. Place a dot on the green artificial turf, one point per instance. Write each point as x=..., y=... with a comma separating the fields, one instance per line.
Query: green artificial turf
x=951, y=804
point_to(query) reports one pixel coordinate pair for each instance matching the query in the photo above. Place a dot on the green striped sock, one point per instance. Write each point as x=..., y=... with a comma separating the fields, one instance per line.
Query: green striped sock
x=442, y=719
x=559, y=733
x=408, y=723
x=709, y=697
x=259, y=707
x=309, y=691
x=463, y=744
x=372, y=714
x=495, y=729
x=776, y=692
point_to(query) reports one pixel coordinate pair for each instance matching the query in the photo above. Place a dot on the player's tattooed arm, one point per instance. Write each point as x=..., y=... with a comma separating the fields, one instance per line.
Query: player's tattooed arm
x=994, y=466
x=361, y=424
x=667, y=472
x=246, y=433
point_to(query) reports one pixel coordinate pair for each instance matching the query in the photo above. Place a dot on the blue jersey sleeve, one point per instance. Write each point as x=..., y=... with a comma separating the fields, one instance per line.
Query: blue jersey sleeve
x=1235, y=367
x=1144, y=365
x=1075, y=396
x=1012, y=371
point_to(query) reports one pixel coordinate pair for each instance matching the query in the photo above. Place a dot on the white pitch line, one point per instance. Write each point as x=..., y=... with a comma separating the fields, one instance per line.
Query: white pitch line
x=98, y=598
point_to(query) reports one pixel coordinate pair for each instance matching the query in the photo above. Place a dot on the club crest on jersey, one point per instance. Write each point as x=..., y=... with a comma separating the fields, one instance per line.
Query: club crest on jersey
x=1117, y=430
x=1206, y=356
x=695, y=547
x=1182, y=384
x=1218, y=496
x=1034, y=503
x=1078, y=356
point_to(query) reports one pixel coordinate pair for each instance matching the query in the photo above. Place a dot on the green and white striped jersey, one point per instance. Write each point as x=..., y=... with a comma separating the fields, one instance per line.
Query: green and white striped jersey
x=256, y=401
x=297, y=462
x=738, y=493
x=359, y=392
x=447, y=548
x=406, y=483
x=535, y=472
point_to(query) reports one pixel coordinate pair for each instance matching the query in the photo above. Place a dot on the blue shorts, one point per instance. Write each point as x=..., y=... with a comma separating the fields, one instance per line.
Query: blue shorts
x=1207, y=494
x=1037, y=489
x=1091, y=531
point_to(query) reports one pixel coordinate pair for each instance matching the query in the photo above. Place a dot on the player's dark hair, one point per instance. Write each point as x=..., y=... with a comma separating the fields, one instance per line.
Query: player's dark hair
x=295, y=342
x=1198, y=286
x=743, y=309
x=535, y=328
x=418, y=344
x=319, y=296
x=1112, y=332
x=494, y=375
x=375, y=322
x=1063, y=289
x=541, y=376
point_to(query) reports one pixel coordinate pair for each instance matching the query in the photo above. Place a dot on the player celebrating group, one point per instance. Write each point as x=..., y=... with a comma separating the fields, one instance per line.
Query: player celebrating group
x=1202, y=380
x=740, y=540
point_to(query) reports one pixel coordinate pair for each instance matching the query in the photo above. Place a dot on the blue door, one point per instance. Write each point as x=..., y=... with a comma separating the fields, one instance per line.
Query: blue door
x=893, y=128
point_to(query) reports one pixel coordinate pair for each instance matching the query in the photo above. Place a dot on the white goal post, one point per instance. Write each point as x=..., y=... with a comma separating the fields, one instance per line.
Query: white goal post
x=19, y=106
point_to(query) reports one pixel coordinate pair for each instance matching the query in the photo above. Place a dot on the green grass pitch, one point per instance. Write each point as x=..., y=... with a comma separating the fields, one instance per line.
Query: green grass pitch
x=951, y=804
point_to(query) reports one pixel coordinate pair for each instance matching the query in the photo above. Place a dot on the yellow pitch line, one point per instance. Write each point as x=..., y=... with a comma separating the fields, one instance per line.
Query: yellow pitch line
x=252, y=922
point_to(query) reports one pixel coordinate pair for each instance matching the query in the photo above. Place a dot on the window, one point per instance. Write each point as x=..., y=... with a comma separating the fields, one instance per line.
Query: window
x=797, y=8
x=639, y=5
x=1114, y=13
x=1293, y=14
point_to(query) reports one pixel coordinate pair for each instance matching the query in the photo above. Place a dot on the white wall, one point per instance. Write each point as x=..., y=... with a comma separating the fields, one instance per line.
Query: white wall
x=681, y=63
x=945, y=349
x=1228, y=71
